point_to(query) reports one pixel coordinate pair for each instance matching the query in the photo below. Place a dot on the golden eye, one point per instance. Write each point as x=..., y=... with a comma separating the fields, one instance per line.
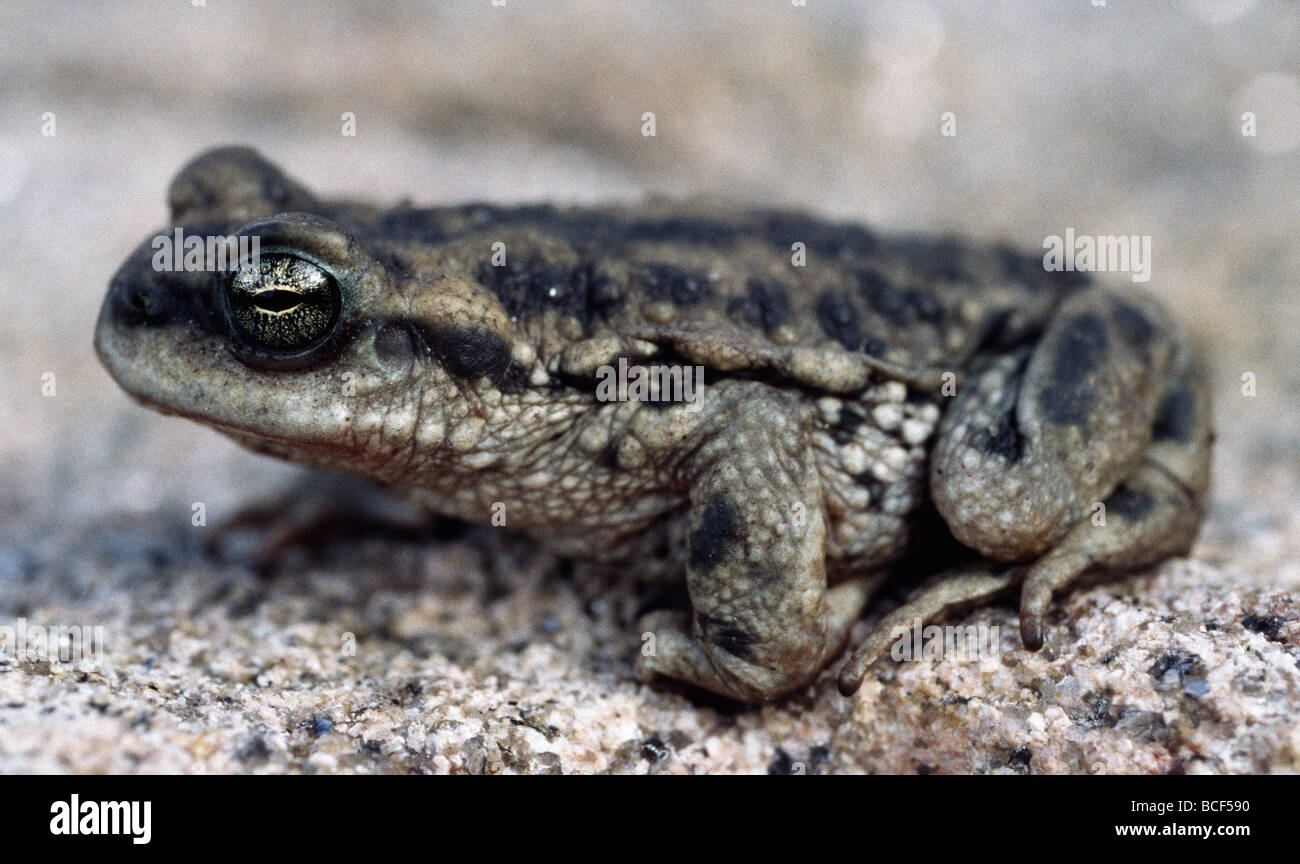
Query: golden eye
x=283, y=304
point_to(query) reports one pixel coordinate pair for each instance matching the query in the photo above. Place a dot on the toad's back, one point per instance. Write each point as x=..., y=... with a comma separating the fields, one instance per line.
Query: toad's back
x=819, y=303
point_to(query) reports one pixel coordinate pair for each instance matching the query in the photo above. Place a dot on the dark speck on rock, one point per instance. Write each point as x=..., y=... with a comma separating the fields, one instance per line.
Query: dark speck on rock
x=549, y=763
x=1095, y=710
x=782, y=764
x=1020, y=758
x=1178, y=669
x=654, y=749
x=1265, y=625
x=254, y=751
x=318, y=726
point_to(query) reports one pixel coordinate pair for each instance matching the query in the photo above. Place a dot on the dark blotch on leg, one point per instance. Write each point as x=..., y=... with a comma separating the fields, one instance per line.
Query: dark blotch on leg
x=719, y=527
x=729, y=637
x=875, y=347
x=1082, y=348
x=1129, y=504
x=1132, y=324
x=1004, y=441
x=1177, y=416
x=1068, y=397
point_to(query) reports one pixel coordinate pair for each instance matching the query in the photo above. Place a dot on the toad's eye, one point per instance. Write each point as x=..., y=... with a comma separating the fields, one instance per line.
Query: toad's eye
x=283, y=304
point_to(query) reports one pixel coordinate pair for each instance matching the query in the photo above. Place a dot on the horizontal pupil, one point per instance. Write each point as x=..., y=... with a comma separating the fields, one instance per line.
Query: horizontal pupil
x=277, y=300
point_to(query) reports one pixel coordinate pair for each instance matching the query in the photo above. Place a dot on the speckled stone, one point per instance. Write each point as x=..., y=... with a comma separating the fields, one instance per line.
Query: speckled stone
x=461, y=668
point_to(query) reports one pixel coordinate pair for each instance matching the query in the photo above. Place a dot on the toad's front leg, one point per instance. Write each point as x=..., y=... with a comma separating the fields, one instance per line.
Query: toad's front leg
x=763, y=622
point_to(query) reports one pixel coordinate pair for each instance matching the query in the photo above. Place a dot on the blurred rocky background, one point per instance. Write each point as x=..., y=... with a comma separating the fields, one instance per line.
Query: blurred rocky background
x=473, y=653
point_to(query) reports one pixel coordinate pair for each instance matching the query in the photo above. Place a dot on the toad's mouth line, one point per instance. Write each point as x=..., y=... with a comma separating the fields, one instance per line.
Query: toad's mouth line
x=241, y=433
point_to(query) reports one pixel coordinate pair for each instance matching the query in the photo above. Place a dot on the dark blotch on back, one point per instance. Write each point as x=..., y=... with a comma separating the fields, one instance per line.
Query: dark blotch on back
x=766, y=306
x=408, y=223
x=599, y=230
x=1029, y=271
x=840, y=319
x=680, y=229
x=471, y=354
x=835, y=240
x=718, y=528
x=1068, y=397
x=603, y=231
x=897, y=306
x=529, y=286
x=673, y=284
x=942, y=260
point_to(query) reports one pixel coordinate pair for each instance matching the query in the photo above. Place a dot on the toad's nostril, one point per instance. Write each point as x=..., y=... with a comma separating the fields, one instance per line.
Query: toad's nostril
x=136, y=303
x=137, y=298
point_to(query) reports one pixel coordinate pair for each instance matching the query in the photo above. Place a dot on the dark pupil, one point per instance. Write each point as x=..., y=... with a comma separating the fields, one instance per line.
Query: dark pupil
x=277, y=300
x=285, y=304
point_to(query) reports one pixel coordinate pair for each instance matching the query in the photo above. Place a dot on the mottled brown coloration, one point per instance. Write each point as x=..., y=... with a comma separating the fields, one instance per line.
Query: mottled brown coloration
x=823, y=438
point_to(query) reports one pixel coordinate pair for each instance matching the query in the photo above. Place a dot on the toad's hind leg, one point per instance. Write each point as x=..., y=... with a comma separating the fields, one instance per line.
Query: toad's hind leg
x=955, y=589
x=1152, y=514
x=1111, y=409
x=763, y=622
